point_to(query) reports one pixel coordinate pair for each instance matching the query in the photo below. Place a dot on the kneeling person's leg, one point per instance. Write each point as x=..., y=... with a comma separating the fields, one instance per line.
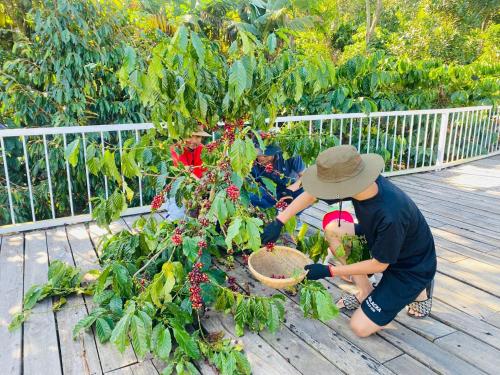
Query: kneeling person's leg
x=361, y=325
x=392, y=294
x=334, y=234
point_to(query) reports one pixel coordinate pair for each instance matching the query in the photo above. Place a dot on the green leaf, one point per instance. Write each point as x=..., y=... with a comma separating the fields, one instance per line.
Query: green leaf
x=180, y=38
x=33, y=295
x=110, y=168
x=18, y=320
x=218, y=209
x=302, y=232
x=115, y=305
x=291, y=225
x=326, y=308
x=122, y=281
x=273, y=322
x=237, y=79
x=71, y=152
x=129, y=166
x=186, y=342
x=95, y=165
x=190, y=248
x=138, y=336
x=233, y=231
x=271, y=42
x=252, y=227
x=103, y=330
x=242, y=155
x=83, y=324
x=198, y=46
x=119, y=336
x=163, y=343
x=270, y=185
x=299, y=87
x=129, y=193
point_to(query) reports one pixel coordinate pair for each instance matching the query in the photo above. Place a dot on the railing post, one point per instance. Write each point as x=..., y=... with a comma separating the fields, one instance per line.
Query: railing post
x=442, y=140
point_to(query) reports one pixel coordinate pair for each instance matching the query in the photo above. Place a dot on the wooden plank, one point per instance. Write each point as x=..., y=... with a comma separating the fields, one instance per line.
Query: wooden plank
x=346, y=355
x=471, y=272
x=475, y=352
x=448, y=194
x=142, y=368
x=262, y=357
x=404, y=364
x=288, y=344
x=78, y=356
x=473, y=301
x=473, y=184
x=494, y=319
x=451, y=195
x=450, y=235
x=298, y=353
x=448, y=255
x=374, y=345
x=130, y=220
x=11, y=290
x=40, y=344
x=481, y=242
x=470, y=325
x=419, y=347
x=431, y=329
x=454, y=213
x=432, y=355
x=310, y=220
x=465, y=251
x=86, y=259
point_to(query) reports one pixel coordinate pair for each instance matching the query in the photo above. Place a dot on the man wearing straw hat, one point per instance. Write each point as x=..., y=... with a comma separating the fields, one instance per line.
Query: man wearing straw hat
x=191, y=153
x=190, y=157
x=398, y=237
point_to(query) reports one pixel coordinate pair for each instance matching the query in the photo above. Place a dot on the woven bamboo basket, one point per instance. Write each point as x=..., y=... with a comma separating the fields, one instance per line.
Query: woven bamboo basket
x=281, y=261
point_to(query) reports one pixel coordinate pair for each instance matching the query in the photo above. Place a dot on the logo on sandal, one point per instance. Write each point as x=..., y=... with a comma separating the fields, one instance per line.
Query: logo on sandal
x=372, y=305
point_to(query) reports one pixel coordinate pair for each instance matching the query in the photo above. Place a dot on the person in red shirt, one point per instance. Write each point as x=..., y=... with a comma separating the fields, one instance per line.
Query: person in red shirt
x=191, y=155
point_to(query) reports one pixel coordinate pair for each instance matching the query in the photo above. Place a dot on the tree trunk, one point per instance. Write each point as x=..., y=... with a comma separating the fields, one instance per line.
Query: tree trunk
x=372, y=23
x=368, y=21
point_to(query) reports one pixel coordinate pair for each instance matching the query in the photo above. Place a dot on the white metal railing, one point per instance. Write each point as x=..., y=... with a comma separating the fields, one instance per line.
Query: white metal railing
x=410, y=141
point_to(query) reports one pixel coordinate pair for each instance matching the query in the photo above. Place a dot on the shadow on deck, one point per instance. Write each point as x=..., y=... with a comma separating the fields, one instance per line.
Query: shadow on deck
x=462, y=336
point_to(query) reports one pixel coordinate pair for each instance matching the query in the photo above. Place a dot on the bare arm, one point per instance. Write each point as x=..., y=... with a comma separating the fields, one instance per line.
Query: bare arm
x=303, y=201
x=364, y=267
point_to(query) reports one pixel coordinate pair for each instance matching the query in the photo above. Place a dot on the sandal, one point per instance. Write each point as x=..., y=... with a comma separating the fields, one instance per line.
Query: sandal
x=423, y=308
x=350, y=301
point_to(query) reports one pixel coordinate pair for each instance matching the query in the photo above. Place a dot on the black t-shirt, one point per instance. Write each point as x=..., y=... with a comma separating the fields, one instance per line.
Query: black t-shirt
x=395, y=229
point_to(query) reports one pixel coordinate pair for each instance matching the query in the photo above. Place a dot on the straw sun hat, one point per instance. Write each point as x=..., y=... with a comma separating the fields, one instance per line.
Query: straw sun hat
x=341, y=172
x=201, y=132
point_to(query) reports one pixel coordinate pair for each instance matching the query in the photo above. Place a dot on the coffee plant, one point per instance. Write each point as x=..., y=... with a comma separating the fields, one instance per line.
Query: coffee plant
x=154, y=285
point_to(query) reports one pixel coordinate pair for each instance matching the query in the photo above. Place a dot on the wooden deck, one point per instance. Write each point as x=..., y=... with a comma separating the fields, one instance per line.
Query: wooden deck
x=462, y=336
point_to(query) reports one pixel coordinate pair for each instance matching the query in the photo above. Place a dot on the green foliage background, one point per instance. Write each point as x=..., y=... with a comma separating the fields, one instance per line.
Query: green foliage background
x=180, y=63
x=74, y=63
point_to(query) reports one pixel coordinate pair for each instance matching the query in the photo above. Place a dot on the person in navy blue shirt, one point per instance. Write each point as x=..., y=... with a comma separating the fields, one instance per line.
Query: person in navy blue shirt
x=285, y=173
x=399, y=239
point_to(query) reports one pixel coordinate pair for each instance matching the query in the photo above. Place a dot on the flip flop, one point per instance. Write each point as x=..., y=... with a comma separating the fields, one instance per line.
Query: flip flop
x=350, y=301
x=423, y=308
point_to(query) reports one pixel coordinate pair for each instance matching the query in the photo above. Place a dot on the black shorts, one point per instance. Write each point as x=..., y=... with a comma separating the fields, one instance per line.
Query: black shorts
x=396, y=290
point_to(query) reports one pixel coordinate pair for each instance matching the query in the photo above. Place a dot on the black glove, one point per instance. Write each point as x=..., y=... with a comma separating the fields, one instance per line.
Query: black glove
x=317, y=271
x=271, y=232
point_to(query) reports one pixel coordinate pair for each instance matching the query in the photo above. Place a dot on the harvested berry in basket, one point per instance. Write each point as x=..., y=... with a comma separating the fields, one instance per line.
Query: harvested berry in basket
x=273, y=276
x=270, y=246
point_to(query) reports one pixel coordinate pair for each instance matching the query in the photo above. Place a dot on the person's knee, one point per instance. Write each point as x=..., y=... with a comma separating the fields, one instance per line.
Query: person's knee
x=361, y=325
x=360, y=329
